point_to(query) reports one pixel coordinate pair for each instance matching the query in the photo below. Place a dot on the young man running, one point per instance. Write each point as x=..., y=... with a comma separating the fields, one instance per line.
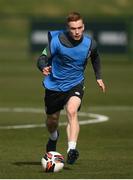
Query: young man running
x=63, y=63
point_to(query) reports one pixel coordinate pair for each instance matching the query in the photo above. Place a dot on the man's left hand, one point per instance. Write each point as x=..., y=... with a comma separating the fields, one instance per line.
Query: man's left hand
x=101, y=84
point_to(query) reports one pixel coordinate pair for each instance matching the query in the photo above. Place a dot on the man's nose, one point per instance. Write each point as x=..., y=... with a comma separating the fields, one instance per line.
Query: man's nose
x=77, y=31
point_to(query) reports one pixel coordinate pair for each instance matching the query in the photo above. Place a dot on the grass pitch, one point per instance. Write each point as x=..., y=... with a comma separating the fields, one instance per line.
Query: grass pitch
x=105, y=148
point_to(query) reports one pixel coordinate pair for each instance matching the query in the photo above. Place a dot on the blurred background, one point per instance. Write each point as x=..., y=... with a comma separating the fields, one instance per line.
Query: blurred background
x=23, y=28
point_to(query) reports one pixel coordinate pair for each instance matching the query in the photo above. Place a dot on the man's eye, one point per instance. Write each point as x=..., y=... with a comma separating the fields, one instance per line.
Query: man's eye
x=73, y=28
x=76, y=28
x=80, y=27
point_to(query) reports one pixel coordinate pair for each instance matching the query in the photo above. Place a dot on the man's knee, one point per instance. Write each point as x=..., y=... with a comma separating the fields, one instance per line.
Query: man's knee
x=52, y=122
x=71, y=111
x=72, y=106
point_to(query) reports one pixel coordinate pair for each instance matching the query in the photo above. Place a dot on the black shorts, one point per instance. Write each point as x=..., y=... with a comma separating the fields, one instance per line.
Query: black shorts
x=55, y=100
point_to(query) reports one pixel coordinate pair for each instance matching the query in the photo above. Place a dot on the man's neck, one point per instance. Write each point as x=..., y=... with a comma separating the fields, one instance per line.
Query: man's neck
x=73, y=41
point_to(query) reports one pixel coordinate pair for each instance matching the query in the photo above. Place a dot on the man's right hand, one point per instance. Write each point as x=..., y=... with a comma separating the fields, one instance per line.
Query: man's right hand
x=46, y=71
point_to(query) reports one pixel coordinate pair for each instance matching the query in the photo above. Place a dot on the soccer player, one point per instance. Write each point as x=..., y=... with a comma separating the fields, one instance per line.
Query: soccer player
x=63, y=63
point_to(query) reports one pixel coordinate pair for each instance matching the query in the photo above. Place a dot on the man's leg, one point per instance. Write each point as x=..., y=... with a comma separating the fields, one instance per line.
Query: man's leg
x=72, y=128
x=52, y=126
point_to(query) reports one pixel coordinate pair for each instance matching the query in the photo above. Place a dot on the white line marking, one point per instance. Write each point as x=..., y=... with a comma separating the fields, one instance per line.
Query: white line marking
x=96, y=118
x=91, y=108
x=111, y=108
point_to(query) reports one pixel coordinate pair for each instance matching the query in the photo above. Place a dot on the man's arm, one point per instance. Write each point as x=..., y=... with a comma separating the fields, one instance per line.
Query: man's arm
x=43, y=62
x=95, y=60
x=43, y=65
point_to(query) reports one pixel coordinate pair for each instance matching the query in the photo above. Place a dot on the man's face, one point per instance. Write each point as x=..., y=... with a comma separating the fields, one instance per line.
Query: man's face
x=76, y=29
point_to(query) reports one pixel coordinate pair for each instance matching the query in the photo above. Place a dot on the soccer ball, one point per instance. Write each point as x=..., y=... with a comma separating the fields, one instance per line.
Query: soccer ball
x=52, y=162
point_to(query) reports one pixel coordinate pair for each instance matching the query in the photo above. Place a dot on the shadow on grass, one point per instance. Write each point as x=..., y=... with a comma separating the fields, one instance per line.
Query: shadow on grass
x=35, y=163
x=23, y=163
